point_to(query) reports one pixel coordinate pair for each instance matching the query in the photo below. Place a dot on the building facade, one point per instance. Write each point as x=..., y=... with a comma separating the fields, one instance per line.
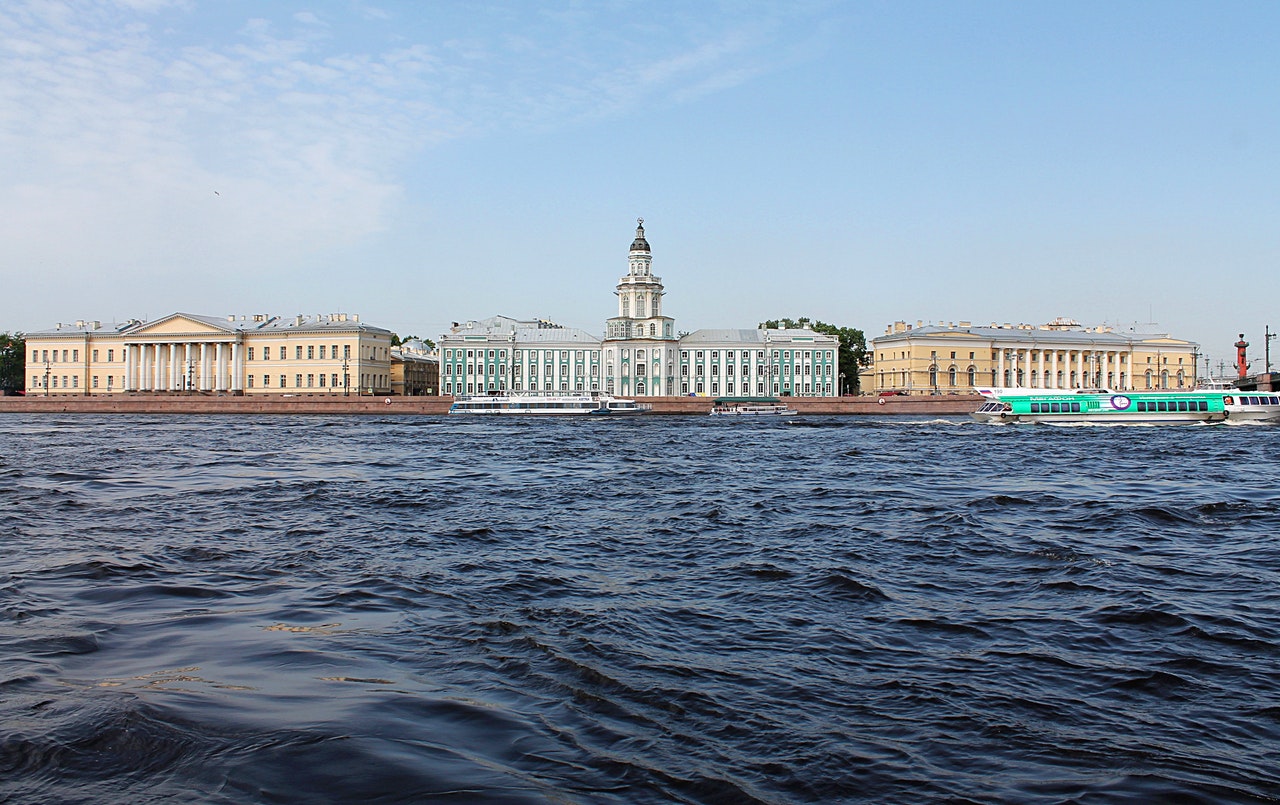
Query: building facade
x=415, y=370
x=641, y=353
x=960, y=358
x=257, y=354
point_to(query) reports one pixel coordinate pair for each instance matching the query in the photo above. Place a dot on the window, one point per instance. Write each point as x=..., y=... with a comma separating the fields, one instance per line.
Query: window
x=311, y=381
x=250, y=378
x=297, y=381
x=266, y=353
x=282, y=355
x=333, y=352
x=111, y=355
x=333, y=380
x=266, y=381
x=311, y=352
x=346, y=350
x=297, y=353
x=250, y=353
x=95, y=356
x=321, y=381
x=282, y=381
x=322, y=352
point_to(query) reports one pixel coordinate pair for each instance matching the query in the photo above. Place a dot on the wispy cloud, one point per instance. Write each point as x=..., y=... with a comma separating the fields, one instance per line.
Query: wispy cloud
x=120, y=122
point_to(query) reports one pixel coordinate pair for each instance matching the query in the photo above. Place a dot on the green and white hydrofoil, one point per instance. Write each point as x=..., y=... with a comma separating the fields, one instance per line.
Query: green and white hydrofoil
x=1104, y=406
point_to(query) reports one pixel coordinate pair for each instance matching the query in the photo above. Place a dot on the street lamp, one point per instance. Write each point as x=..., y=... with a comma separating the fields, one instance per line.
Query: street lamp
x=47, y=369
x=842, y=384
x=191, y=369
x=346, y=378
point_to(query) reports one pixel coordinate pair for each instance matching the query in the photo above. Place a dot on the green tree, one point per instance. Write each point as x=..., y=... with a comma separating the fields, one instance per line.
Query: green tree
x=396, y=340
x=13, y=361
x=853, y=346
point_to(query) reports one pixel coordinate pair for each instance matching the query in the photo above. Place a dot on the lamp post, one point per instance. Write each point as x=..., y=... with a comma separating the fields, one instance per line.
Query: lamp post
x=842, y=384
x=191, y=369
x=346, y=378
x=47, y=368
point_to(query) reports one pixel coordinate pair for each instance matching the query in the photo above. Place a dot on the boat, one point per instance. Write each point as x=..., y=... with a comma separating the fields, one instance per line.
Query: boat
x=750, y=406
x=537, y=404
x=1251, y=406
x=1104, y=406
x=616, y=406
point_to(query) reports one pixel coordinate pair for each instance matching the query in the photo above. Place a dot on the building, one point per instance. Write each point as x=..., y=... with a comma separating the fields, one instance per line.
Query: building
x=950, y=358
x=415, y=369
x=641, y=353
x=257, y=354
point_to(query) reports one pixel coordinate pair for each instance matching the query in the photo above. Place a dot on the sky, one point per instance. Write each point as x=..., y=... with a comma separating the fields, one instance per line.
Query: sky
x=426, y=162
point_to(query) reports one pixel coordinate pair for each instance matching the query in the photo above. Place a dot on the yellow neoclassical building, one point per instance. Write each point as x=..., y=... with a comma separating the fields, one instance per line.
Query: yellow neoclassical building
x=258, y=354
x=956, y=358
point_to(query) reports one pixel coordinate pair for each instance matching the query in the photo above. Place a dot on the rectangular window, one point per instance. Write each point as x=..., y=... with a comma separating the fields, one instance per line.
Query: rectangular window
x=321, y=381
x=250, y=381
x=311, y=381
x=266, y=381
x=346, y=351
x=297, y=352
x=1075, y=407
x=333, y=352
x=95, y=356
x=282, y=354
x=322, y=352
x=75, y=382
x=282, y=380
x=95, y=381
x=250, y=353
x=333, y=380
x=111, y=355
x=311, y=352
x=297, y=381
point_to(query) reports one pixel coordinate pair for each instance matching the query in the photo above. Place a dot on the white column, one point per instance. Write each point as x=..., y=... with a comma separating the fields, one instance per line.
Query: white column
x=204, y=366
x=1053, y=370
x=1106, y=367
x=1040, y=368
x=128, y=368
x=236, y=365
x=220, y=376
x=1000, y=367
x=1080, y=368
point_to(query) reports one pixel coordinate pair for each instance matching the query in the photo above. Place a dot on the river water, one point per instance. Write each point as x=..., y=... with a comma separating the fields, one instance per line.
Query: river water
x=648, y=610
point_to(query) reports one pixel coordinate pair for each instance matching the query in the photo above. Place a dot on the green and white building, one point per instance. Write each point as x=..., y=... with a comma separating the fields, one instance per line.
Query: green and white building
x=641, y=354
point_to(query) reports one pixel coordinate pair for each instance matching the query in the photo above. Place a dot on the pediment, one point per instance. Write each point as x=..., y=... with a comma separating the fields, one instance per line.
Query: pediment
x=181, y=323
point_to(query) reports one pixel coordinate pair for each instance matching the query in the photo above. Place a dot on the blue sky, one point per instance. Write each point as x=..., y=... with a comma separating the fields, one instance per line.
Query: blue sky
x=425, y=162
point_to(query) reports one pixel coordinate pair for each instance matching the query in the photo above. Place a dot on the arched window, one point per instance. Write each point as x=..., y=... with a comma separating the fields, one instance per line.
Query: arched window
x=951, y=376
x=973, y=376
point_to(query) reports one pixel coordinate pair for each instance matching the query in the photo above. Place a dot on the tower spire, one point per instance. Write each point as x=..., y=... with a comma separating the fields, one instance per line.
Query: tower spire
x=639, y=244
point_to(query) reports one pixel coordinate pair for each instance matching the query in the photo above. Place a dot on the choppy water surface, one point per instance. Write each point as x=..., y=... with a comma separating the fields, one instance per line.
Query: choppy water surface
x=660, y=609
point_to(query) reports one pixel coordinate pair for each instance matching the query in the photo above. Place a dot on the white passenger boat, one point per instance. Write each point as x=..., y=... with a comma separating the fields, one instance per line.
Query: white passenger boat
x=531, y=404
x=1251, y=406
x=751, y=406
x=616, y=406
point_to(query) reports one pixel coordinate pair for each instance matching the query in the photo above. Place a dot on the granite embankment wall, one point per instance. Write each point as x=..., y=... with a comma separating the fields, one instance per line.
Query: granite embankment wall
x=322, y=404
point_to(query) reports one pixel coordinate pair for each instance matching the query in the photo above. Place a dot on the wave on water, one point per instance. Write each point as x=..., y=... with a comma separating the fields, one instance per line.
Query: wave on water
x=334, y=609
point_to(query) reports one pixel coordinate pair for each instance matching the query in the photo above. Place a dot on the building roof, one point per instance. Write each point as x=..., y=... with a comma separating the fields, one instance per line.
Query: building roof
x=1026, y=333
x=259, y=322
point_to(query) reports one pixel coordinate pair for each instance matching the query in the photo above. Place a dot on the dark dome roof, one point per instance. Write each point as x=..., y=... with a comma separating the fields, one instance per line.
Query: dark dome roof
x=639, y=244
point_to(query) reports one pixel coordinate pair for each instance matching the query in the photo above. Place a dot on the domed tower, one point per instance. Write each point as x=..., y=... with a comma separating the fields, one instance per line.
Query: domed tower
x=640, y=342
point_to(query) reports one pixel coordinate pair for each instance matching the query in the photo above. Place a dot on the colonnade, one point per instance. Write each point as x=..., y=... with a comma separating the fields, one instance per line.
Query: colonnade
x=184, y=366
x=1064, y=368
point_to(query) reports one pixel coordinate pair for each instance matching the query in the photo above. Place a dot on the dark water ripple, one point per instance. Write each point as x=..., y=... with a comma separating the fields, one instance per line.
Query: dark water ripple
x=657, y=610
